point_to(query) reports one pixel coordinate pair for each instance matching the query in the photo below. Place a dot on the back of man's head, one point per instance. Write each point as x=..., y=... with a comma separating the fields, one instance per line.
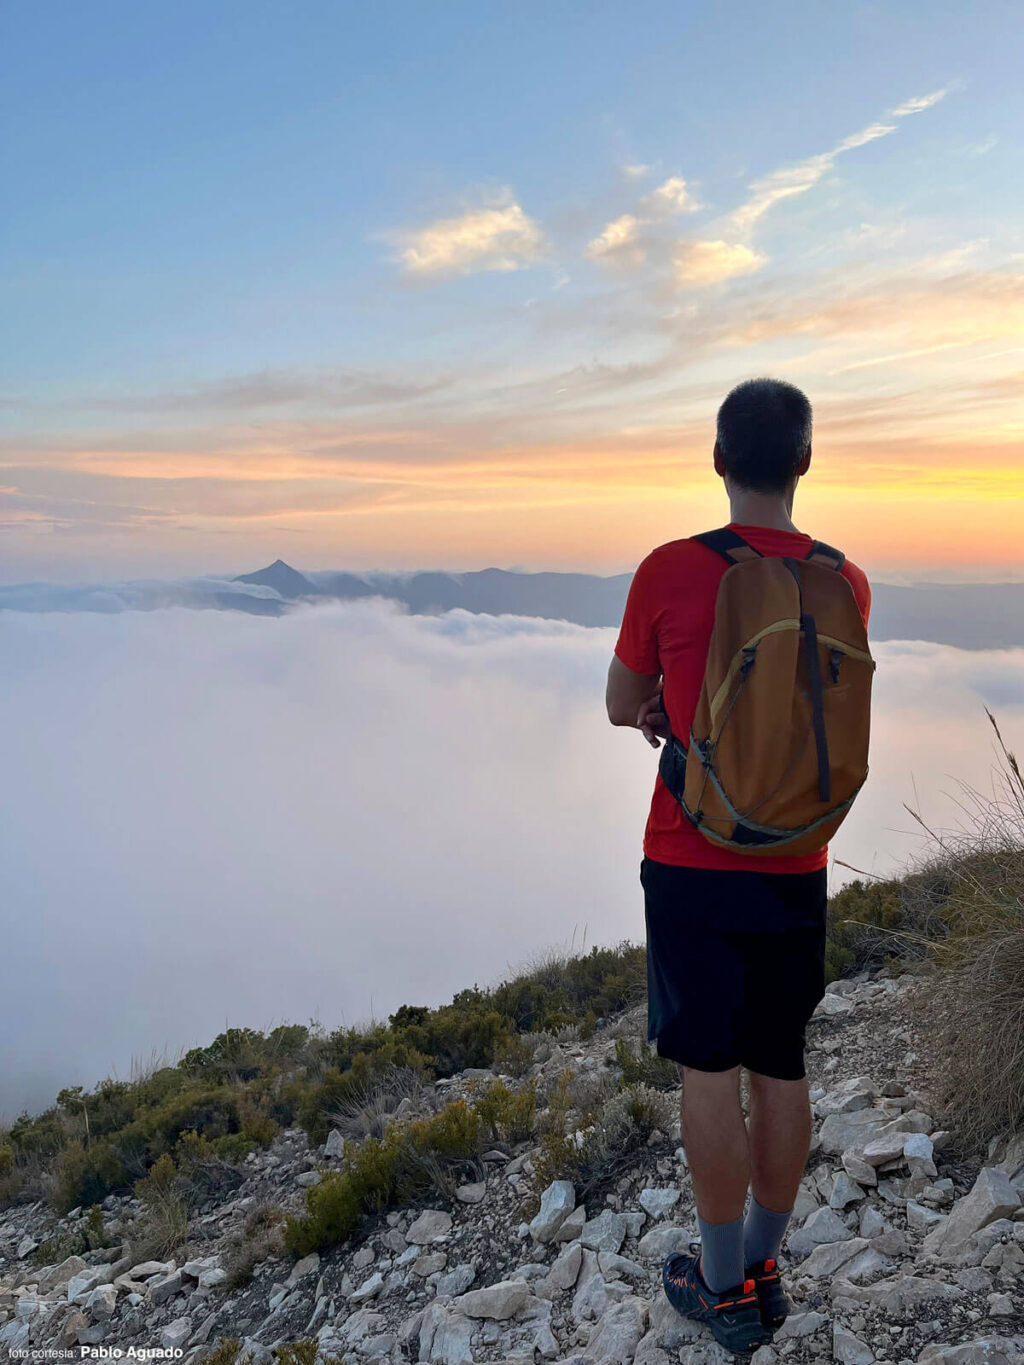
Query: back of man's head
x=764, y=432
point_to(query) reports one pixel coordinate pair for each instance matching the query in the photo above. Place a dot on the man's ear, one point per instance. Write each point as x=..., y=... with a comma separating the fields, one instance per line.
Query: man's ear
x=805, y=464
x=719, y=466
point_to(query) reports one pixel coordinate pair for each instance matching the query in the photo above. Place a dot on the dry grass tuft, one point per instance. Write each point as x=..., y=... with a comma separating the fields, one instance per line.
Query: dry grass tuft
x=973, y=994
x=261, y=1239
x=366, y=1114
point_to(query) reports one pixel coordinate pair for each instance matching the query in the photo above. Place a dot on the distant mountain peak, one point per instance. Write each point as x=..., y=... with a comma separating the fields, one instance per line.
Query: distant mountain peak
x=282, y=578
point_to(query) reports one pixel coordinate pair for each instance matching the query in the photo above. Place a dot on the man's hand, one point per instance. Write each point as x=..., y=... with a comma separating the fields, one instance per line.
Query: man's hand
x=652, y=721
x=627, y=691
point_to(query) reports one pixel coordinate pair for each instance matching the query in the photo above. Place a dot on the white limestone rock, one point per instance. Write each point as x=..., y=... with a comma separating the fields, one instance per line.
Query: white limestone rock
x=842, y=1132
x=845, y=1192
x=618, y=1333
x=606, y=1232
x=992, y=1197
x=102, y=1302
x=556, y=1204
x=826, y=1259
x=658, y=1202
x=848, y=1349
x=430, y=1226
x=445, y=1336
x=496, y=1301
x=176, y=1334
x=823, y=1225
x=662, y=1242
x=474, y=1193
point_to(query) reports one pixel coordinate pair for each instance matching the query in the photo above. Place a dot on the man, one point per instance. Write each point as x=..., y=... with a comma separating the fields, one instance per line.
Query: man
x=735, y=941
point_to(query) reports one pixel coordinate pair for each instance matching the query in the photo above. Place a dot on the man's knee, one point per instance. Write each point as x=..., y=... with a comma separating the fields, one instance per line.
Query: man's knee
x=715, y=1085
x=776, y=1084
x=777, y=1089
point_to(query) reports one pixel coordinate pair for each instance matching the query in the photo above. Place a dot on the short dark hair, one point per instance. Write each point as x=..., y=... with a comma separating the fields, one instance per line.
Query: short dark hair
x=764, y=430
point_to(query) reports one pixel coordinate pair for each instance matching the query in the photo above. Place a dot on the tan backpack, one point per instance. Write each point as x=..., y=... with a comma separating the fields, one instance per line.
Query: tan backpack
x=779, y=744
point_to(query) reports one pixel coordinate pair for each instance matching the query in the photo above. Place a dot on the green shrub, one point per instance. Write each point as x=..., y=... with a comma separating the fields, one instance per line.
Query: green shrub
x=53, y=1250
x=89, y=1235
x=513, y=1054
x=862, y=921
x=167, y=1198
x=225, y=1352
x=641, y=1065
x=242, y=1054
x=305, y=1352
x=508, y=1115
x=382, y=1172
x=37, y=1140
x=605, y=1143
x=86, y=1175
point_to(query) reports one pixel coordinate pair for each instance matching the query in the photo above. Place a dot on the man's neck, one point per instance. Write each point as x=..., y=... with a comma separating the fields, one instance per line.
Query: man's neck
x=771, y=510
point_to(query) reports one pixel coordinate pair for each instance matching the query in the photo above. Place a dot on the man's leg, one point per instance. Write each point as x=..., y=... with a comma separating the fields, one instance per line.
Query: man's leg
x=785, y=982
x=779, y=1141
x=715, y=1138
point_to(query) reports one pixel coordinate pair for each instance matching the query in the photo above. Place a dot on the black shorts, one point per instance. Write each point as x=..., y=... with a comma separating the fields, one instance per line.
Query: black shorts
x=735, y=965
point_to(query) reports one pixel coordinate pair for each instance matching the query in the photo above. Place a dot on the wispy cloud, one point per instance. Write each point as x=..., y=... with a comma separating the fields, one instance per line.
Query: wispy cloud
x=636, y=171
x=337, y=389
x=498, y=237
x=920, y=102
x=790, y=181
x=704, y=262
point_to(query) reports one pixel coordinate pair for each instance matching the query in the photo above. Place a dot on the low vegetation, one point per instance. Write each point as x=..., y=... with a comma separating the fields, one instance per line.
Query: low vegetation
x=973, y=996
x=222, y=1101
x=262, y=1236
x=177, y=1135
x=590, y=1136
x=304, y=1352
x=410, y=1158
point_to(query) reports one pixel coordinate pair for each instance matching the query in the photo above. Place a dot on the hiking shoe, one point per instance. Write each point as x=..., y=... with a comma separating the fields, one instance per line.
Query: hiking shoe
x=733, y=1316
x=771, y=1299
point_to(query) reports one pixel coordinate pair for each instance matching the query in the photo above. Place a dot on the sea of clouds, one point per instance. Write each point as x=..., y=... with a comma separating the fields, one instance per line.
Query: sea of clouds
x=212, y=819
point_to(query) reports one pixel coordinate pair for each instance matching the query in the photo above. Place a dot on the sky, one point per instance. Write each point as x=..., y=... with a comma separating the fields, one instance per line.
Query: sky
x=215, y=820
x=457, y=285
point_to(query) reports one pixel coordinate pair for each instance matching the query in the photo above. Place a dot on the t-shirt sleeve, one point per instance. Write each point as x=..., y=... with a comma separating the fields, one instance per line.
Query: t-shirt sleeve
x=637, y=645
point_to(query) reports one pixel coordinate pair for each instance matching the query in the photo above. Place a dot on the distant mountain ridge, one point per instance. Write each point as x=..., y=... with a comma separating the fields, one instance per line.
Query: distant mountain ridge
x=966, y=615
x=284, y=580
x=585, y=599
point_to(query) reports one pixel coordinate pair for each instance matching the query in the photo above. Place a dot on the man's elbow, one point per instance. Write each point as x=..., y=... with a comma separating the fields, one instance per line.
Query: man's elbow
x=619, y=715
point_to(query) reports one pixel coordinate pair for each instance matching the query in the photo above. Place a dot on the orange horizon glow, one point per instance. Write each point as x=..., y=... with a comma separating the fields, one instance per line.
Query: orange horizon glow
x=594, y=506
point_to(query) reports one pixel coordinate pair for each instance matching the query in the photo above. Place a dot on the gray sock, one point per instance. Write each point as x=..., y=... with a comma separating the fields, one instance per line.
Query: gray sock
x=721, y=1254
x=762, y=1233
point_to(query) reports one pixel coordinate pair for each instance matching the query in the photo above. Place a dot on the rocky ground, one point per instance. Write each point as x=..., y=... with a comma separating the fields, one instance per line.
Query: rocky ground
x=898, y=1251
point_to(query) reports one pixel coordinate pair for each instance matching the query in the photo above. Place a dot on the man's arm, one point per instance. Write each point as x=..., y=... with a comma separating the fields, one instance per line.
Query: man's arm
x=627, y=692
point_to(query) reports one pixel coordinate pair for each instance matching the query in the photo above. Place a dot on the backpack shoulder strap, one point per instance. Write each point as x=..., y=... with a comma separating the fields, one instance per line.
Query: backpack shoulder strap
x=826, y=555
x=732, y=547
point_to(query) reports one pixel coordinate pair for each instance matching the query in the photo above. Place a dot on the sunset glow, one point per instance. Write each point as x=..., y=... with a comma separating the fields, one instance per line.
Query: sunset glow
x=321, y=317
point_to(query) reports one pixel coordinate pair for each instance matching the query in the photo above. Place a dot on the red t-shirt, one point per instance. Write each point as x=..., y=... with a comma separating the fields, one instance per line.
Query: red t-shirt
x=666, y=629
